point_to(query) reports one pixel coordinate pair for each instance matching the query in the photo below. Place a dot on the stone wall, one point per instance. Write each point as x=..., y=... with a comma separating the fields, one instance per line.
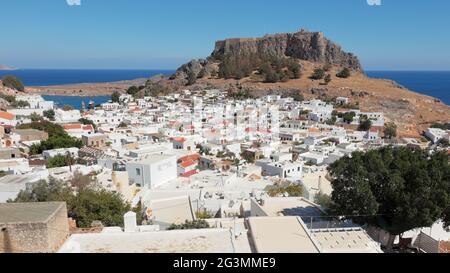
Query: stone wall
x=39, y=237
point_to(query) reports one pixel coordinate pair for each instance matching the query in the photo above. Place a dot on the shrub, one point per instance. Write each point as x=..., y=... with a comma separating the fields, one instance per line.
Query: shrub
x=349, y=117
x=68, y=108
x=59, y=161
x=327, y=79
x=50, y=114
x=390, y=130
x=196, y=224
x=115, y=96
x=344, y=73
x=132, y=90
x=318, y=74
x=13, y=83
x=294, y=190
x=365, y=125
x=323, y=200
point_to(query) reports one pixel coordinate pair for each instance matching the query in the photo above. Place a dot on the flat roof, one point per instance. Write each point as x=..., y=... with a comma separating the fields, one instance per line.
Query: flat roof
x=28, y=131
x=311, y=180
x=174, y=210
x=174, y=241
x=280, y=235
x=28, y=212
x=289, y=206
x=150, y=159
x=345, y=241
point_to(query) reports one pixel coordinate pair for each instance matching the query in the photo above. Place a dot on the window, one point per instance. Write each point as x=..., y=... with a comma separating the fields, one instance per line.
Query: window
x=138, y=172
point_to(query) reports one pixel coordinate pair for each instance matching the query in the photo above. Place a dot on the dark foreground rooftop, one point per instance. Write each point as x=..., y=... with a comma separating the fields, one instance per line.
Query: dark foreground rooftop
x=28, y=212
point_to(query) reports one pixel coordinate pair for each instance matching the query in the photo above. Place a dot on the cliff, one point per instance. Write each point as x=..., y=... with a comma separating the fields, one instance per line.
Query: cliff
x=302, y=45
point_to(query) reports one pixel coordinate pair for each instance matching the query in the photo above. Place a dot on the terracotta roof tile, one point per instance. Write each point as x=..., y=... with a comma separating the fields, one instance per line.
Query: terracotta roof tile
x=6, y=115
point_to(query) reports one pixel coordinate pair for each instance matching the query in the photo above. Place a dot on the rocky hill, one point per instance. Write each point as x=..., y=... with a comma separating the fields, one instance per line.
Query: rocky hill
x=250, y=53
x=302, y=45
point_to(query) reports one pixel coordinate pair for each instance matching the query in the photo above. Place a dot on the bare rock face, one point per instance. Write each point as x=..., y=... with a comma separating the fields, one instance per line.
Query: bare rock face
x=303, y=45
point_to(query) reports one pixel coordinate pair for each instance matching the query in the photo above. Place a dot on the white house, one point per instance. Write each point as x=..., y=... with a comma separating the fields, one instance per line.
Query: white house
x=78, y=130
x=153, y=171
x=7, y=119
x=342, y=100
x=73, y=152
x=282, y=169
x=62, y=116
x=436, y=134
x=36, y=102
x=16, y=166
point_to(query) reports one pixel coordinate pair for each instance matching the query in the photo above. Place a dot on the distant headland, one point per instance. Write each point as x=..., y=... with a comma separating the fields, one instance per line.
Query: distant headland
x=4, y=67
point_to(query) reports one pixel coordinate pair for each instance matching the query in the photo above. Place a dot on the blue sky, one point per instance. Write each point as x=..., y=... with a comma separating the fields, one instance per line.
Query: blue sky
x=152, y=34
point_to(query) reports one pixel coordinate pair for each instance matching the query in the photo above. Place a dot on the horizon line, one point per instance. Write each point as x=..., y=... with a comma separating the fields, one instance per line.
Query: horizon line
x=174, y=69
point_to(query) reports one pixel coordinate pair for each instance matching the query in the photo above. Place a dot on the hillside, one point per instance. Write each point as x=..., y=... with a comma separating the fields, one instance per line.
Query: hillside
x=412, y=112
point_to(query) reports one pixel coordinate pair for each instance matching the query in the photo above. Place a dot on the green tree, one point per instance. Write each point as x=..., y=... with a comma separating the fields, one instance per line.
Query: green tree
x=56, y=142
x=58, y=161
x=295, y=68
x=50, y=114
x=390, y=130
x=20, y=104
x=9, y=98
x=365, y=125
x=396, y=189
x=115, y=96
x=85, y=206
x=271, y=77
x=35, y=117
x=45, y=191
x=13, y=83
x=58, y=137
x=51, y=128
x=132, y=90
x=86, y=121
x=349, y=117
x=344, y=73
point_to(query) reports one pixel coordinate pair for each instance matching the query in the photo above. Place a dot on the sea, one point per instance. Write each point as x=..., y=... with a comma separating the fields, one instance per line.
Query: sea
x=432, y=83
x=48, y=77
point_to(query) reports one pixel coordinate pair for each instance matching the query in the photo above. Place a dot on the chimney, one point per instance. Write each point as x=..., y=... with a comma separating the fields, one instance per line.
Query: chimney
x=129, y=220
x=320, y=184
